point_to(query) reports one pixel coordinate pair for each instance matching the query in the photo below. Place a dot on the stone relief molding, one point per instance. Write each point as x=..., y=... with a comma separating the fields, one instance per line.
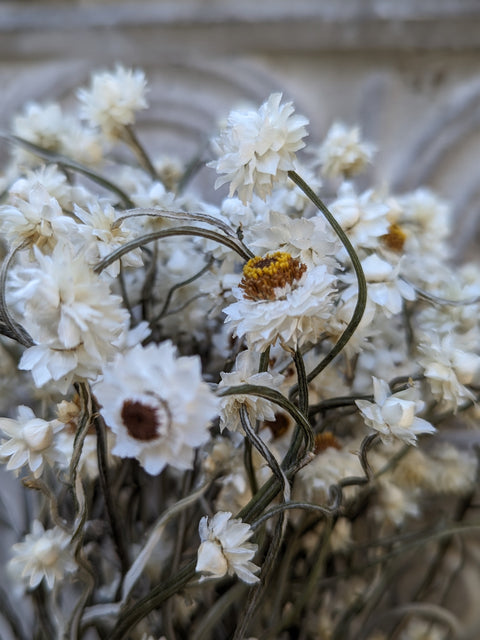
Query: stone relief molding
x=407, y=72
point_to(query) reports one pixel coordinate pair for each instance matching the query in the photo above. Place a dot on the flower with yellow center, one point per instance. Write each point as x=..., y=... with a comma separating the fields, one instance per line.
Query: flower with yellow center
x=280, y=298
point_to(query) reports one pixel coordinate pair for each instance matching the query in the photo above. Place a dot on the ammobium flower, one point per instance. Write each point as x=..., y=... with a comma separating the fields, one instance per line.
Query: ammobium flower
x=42, y=554
x=157, y=405
x=71, y=314
x=343, y=153
x=448, y=369
x=246, y=372
x=279, y=298
x=257, y=148
x=30, y=442
x=113, y=99
x=99, y=220
x=393, y=416
x=36, y=219
x=224, y=548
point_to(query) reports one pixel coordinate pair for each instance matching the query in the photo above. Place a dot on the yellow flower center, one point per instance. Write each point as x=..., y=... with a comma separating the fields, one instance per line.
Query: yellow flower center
x=262, y=276
x=395, y=238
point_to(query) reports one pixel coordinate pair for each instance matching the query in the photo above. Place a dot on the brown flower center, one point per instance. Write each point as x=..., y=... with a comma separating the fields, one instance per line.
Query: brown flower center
x=261, y=276
x=395, y=238
x=279, y=426
x=324, y=441
x=141, y=420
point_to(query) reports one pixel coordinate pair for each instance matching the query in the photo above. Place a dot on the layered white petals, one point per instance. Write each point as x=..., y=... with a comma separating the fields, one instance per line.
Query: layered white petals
x=298, y=316
x=157, y=405
x=343, y=153
x=113, y=98
x=257, y=148
x=43, y=555
x=30, y=441
x=246, y=372
x=224, y=548
x=393, y=416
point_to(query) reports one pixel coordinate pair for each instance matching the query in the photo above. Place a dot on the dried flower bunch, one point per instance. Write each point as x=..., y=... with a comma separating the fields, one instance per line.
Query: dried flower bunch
x=254, y=418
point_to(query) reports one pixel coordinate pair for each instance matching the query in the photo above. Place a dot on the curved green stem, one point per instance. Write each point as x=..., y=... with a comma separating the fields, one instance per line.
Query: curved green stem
x=165, y=233
x=131, y=139
x=276, y=397
x=63, y=161
x=8, y=326
x=362, y=283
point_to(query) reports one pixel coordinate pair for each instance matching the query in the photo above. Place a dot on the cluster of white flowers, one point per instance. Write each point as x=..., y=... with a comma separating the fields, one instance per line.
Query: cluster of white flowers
x=178, y=357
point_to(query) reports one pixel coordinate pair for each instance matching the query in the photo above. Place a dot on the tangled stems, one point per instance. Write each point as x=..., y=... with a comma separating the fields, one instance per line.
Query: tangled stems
x=165, y=233
x=275, y=396
x=362, y=283
x=67, y=163
x=255, y=507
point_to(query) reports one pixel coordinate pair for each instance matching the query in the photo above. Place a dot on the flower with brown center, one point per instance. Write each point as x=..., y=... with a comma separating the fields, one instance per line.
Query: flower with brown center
x=281, y=298
x=395, y=238
x=156, y=429
x=140, y=419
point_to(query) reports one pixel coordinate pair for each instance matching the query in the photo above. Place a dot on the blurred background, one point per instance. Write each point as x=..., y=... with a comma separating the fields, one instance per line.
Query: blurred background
x=407, y=72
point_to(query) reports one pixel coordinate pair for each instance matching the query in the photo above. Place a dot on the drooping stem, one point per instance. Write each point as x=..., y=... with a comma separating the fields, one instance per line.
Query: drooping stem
x=131, y=139
x=362, y=283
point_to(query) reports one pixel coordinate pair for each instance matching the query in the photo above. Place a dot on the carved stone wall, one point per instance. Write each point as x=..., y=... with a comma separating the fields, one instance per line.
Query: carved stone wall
x=408, y=72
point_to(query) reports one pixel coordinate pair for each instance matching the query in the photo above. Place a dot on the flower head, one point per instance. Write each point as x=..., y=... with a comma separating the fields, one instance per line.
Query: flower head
x=257, y=148
x=343, y=153
x=246, y=372
x=30, y=441
x=36, y=219
x=279, y=298
x=393, y=415
x=224, y=548
x=113, y=98
x=48, y=127
x=106, y=235
x=71, y=314
x=448, y=369
x=157, y=405
x=42, y=555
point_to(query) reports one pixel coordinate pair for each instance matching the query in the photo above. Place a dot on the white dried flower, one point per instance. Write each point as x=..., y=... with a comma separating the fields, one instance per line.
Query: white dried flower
x=257, y=148
x=313, y=482
x=385, y=288
x=394, y=504
x=246, y=372
x=42, y=555
x=363, y=216
x=54, y=181
x=157, y=405
x=106, y=235
x=113, y=99
x=71, y=314
x=393, y=415
x=309, y=239
x=280, y=299
x=448, y=369
x=429, y=217
x=224, y=548
x=30, y=441
x=36, y=219
x=343, y=153
x=49, y=128
x=451, y=470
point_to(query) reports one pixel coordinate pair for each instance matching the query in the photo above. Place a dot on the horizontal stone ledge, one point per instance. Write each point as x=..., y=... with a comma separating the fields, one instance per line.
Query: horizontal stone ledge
x=308, y=25
x=114, y=12
x=181, y=42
